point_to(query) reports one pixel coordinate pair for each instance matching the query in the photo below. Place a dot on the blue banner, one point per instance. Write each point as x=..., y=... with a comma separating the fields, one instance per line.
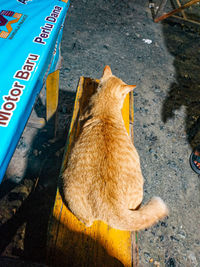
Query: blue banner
x=30, y=35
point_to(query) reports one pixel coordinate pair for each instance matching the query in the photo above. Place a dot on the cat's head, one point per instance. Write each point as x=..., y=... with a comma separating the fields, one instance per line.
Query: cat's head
x=114, y=87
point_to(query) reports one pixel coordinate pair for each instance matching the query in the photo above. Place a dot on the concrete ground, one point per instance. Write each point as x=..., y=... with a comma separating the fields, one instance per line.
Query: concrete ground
x=163, y=60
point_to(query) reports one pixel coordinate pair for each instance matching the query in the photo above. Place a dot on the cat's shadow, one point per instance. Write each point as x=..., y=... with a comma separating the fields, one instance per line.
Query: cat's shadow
x=80, y=253
x=183, y=45
x=35, y=241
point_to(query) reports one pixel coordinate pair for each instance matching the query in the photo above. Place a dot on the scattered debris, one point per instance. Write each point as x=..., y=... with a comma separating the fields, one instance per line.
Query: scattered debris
x=147, y=41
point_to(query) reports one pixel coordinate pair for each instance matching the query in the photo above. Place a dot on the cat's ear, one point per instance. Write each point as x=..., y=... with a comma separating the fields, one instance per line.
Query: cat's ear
x=128, y=88
x=107, y=72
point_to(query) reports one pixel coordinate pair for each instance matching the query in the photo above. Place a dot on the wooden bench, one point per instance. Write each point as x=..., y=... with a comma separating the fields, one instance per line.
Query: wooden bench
x=70, y=243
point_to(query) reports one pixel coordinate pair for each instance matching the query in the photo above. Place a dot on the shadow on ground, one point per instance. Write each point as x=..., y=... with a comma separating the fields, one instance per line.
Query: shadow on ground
x=182, y=43
x=26, y=206
x=24, y=233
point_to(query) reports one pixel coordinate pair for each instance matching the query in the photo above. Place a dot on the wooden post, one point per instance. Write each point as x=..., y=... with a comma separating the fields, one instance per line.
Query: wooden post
x=160, y=9
x=52, y=93
x=190, y=3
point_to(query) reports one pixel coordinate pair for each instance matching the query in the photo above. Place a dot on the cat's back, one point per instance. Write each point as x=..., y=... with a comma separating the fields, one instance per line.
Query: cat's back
x=104, y=145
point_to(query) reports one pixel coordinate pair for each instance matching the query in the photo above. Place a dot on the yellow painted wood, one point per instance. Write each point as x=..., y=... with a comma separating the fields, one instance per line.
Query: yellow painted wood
x=52, y=94
x=70, y=243
x=52, y=91
x=131, y=114
x=125, y=112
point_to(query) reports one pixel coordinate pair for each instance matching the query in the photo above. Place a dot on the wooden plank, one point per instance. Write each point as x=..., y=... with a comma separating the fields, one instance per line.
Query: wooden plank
x=52, y=93
x=182, y=11
x=179, y=9
x=70, y=243
x=160, y=9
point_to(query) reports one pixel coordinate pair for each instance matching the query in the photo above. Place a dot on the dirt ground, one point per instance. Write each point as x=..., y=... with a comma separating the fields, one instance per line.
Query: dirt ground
x=163, y=61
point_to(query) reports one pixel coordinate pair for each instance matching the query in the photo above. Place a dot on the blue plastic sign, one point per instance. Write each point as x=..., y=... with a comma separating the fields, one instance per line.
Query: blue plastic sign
x=30, y=35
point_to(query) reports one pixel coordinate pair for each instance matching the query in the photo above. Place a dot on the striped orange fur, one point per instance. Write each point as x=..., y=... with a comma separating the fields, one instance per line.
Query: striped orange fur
x=103, y=179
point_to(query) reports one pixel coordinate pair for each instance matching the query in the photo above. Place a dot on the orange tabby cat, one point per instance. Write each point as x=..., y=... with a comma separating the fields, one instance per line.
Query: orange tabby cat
x=103, y=179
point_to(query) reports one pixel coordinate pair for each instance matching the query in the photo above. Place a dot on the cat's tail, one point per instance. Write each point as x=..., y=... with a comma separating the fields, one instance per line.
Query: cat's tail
x=146, y=216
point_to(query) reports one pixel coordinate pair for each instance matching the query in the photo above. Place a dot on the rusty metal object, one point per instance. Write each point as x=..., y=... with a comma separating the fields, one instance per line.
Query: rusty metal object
x=169, y=14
